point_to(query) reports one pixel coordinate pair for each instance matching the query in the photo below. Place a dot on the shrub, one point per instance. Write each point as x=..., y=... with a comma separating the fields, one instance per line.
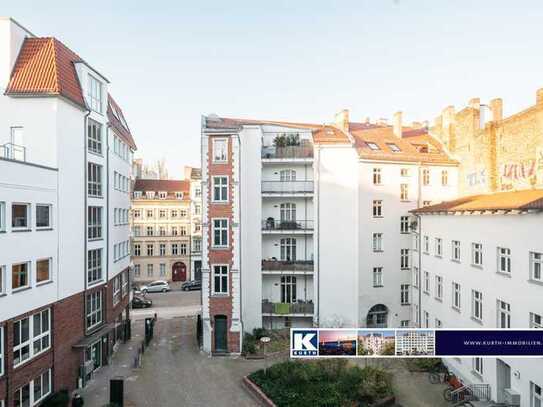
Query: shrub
x=424, y=363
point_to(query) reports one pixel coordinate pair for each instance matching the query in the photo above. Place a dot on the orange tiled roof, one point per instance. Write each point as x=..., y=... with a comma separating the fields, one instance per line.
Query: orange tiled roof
x=117, y=121
x=166, y=185
x=227, y=123
x=45, y=66
x=330, y=135
x=512, y=200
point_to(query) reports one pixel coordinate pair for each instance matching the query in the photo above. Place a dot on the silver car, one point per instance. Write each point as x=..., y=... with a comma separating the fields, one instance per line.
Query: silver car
x=156, y=287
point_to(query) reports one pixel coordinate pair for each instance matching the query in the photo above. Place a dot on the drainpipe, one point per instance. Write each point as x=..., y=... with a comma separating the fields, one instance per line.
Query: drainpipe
x=240, y=248
x=86, y=211
x=317, y=219
x=419, y=222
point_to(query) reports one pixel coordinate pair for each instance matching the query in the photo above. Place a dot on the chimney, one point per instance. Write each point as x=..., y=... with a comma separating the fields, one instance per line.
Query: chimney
x=448, y=117
x=341, y=120
x=397, y=124
x=496, y=106
x=475, y=103
x=539, y=97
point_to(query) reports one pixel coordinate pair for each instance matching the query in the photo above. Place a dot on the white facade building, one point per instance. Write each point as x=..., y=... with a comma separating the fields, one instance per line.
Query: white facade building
x=414, y=343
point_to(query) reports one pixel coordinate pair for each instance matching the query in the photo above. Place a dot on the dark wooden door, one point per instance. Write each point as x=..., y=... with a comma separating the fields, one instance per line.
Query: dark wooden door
x=221, y=332
x=179, y=271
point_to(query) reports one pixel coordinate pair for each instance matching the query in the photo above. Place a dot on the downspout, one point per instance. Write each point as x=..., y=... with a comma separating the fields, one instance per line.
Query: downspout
x=419, y=222
x=240, y=246
x=106, y=152
x=317, y=219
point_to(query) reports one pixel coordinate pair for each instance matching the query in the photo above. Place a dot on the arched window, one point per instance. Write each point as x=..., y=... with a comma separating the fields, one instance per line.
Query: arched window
x=377, y=316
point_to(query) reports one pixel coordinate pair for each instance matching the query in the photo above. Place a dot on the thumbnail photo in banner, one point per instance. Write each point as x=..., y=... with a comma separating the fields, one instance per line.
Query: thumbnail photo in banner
x=415, y=342
x=376, y=342
x=338, y=342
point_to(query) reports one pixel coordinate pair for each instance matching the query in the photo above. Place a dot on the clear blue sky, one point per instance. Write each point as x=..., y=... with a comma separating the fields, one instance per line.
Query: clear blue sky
x=171, y=61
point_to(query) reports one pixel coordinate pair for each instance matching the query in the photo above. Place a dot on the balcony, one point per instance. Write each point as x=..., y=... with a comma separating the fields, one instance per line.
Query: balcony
x=12, y=151
x=277, y=226
x=300, y=308
x=302, y=152
x=275, y=188
x=287, y=266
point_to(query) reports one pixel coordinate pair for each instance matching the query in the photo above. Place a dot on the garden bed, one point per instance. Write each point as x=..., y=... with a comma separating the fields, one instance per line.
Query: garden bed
x=253, y=348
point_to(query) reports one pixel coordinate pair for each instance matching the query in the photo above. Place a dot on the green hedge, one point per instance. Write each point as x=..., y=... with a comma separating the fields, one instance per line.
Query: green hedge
x=323, y=383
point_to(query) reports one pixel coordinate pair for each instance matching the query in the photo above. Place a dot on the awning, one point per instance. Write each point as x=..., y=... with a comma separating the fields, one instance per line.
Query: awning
x=89, y=340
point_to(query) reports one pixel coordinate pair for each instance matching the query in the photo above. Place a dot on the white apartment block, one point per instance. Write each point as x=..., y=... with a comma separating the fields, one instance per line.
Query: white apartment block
x=308, y=225
x=65, y=154
x=481, y=266
x=414, y=343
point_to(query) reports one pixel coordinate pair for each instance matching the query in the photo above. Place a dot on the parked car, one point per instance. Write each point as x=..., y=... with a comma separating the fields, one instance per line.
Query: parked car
x=156, y=287
x=136, y=290
x=139, y=302
x=191, y=285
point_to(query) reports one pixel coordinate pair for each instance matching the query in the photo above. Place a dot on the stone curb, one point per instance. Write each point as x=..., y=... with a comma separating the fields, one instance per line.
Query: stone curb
x=252, y=388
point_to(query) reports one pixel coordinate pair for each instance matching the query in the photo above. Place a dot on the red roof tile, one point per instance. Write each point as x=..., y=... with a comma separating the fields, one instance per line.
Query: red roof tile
x=118, y=123
x=330, y=135
x=166, y=185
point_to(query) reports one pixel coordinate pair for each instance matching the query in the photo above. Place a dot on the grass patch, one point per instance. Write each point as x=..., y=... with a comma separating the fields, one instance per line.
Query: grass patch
x=279, y=341
x=323, y=383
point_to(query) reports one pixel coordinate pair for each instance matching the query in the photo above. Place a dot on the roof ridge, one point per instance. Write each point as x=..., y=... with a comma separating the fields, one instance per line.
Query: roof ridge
x=55, y=64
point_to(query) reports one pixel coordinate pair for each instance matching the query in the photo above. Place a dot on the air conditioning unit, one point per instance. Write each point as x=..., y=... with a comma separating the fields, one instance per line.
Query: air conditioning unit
x=512, y=397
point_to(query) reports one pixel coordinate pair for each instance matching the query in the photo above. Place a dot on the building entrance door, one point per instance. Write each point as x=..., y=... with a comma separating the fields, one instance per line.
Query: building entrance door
x=503, y=379
x=221, y=332
x=179, y=271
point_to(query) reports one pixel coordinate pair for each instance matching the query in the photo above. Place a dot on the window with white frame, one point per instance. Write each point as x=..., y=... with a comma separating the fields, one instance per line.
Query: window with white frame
x=94, y=137
x=288, y=249
x=162, y=194
x=416, y=314
x=377, y=176
x=116, y=290
x=31, y=336
x=404, y=224
x=2, y=216
x=288, y=289
x=94, y=266
x=404, y=294
x=426, y=203
x=287, y=175
x=220, y=232
x=220, y=189
x=43, y=216
x=536, y=321
x=162, y=249
x=137, y=270
x=220, y=279
x=416, y=277
x=287, y=212
x=377, y=242
x=377, y=276
x=477, y=305
x=504, y=260
x=404, y=323
x=43, y=270
x=404, y=259
x=426, y=319
x=220, y=150
x=94, y=94
x=404, y=172
x=183, y=249
x=94, y=179
x=94, y=222
x=504, y=314
x=162, y=269
x=149, y=270
x=425, y=176
x=150, y=231
x=183, y=213
x=150, y=249
x=162, y=213
x=20, y=275
x=20, y=216
x=175, y=249
x=427, y=282
x=455, y=250
x=22, y=396
x=478, y=366
x=456, y=296
x=196, y=244
x=404, y=192
x=536, y=266
x=444, y=178
x=477, y=254
x=183, y=230
x=377, y=208
x=179, y=195
x=162, y=230
x=536, y=395
x=439, y=288
x=416, y=242
x=426, y=244
x=94, y=309
x=137, y=249
x=150, y=195
x=439, y=247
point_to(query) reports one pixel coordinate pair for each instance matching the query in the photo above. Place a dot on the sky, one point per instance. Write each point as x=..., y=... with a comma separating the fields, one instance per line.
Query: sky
x=169, y=62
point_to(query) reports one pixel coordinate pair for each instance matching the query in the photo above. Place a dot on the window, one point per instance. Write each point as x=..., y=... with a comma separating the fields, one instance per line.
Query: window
x=162, y=230
x=198, y=192
x=150, y=231
x=426, y=244
x=504, y=314
x=444, y=178
x=20, y=276
x=94, y=137
x=427, y=282
x=137, y=249
x=404, y=172
x=504, y=260
x=536, y=266
x=94, y=178
x=43, y=216
x=377, y=242
x=416, y=242
x=94, y=222
x=179, y=195
x=162, y=269
x=438, y=323
x=94, y=309
x=183, y=213
x=20, y=216
x=162, y=249
x=183, y=249
x=425, y=176
x=404, y=192
x=288, y=249
x=377, y=276
x=455, y=251
x=287, y=212
x=536, y=395
x=404, y=224
x=394, y=147
x=31, y=336
x=426, y=203
x=404, y=259
x=439, y=288
x=426, y=319
x=477, y=254
x=137, y=213
x=137, y=231
x=439, y=247
x=43, y=270
x=197, y=245
x=116, y=290
x=125, y=278
x=220, y=150
x=377, y=209
x=220, y=232
x=162, y=194
x=456, y=298
x=377, y=176
x=404, y=323
x=197, y=209
x=149, y=270
x=150, y=249
x=477, y=305
x=162, y=213
x=288, y=289
x=42, y=386
x=372, y=146
x=287, y=175
x=404, y=294
x=149, y=213
x=175, y=249
x=416, y=277
x=220, y=189
x=94, y=94
x=478, y=366
x=2, y=217
x=21, y=398
x=1, y=353
x=220, y=279
x=183, y=230
x=137, y=270
x=535, y=321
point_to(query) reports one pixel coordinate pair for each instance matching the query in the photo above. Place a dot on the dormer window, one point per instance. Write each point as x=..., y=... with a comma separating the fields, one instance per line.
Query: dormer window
x=372, y=146
x=394, y=148
x=137, y=194
x=94, y=94
x=162, y=194
x=150, y=194
x=179, y=195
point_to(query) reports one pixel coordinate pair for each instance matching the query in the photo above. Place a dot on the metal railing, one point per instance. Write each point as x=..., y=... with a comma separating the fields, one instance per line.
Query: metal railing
x=284, y=265
x=12, y=151
x=481, y=391
x=287, y=308
x=282, y=187
x=277, y=224
x=273, y=152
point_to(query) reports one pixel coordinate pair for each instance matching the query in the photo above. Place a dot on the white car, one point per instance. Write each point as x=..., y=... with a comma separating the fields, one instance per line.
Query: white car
x=155, y=287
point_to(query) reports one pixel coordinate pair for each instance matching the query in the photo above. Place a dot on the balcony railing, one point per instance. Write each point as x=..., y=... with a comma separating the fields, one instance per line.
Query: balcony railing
x=271, y=224
x=273, y=152
x=284, y=265
x=287, y=187
x=283, y=308
x=13, y=152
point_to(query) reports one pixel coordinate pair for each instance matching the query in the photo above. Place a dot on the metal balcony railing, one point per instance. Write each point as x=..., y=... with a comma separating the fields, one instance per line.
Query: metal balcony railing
x=283, y=308
x=273, y=152
x=287, y=265
x=278, y=224
x=286, y=187
x=12, y=151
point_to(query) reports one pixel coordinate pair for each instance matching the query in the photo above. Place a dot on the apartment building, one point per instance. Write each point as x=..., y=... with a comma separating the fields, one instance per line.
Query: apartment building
x=375, y=343
x=161, y=229
x=413, y=343
x=65, y=154
x=309, y=224
x=195, y=177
